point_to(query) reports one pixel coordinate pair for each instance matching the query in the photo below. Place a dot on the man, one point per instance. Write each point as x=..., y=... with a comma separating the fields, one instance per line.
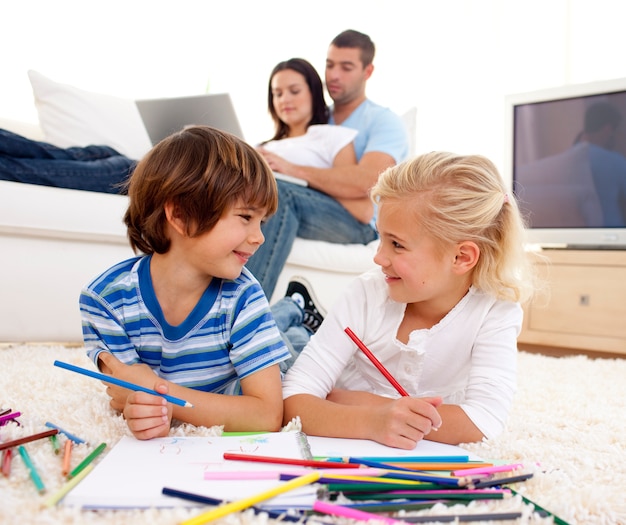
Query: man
x=335, y=206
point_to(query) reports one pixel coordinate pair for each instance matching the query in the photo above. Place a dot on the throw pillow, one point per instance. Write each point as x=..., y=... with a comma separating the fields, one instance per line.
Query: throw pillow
x=70, y=116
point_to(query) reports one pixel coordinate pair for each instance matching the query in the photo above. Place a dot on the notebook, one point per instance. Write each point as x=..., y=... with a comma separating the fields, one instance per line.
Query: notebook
x=134, y=472
x=164, y=116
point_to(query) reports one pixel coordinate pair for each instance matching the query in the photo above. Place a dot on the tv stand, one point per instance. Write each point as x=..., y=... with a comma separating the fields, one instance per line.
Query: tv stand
x=583, y=305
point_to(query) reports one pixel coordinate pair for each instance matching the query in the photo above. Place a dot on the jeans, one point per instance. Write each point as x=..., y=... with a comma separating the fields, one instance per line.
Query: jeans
x=288, y=316
x=309, y=214
x=89, y=168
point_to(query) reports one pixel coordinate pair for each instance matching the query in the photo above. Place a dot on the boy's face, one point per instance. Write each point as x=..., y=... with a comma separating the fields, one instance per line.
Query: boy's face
x=225, y=249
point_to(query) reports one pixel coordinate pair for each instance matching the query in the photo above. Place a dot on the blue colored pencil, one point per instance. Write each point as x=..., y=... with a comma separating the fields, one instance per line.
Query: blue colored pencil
x=407, y=459
x=123, y=384
x=407, y=473
x=69, y=436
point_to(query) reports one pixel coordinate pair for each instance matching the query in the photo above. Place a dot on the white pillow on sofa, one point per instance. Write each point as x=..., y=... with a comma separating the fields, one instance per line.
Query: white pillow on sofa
x=70, y=116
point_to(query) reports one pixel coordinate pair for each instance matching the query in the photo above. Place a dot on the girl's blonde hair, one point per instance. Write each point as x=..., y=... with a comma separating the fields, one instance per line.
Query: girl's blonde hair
x=202, y=171
x=463, y=198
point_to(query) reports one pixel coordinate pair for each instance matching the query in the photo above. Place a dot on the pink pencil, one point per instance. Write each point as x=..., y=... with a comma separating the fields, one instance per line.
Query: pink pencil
x=8, y=417
x=275, y=474
x=376, y=362
x=487, y=470
x=355, y=514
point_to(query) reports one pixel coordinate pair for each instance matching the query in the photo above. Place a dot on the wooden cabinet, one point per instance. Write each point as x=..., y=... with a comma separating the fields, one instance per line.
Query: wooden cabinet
x=583, y=303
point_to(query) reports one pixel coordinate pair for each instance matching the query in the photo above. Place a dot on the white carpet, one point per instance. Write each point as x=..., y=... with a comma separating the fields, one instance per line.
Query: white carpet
x=569, y=416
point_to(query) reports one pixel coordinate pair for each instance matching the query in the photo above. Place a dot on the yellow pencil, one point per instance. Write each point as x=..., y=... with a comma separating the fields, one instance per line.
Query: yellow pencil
x=242, y=504
x=62, y=492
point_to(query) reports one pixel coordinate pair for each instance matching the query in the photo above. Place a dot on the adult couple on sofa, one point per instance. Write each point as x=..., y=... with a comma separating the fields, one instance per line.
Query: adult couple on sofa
x=346, y=78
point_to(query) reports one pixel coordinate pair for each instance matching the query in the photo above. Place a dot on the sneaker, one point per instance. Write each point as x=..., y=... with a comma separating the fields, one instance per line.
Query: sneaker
x=301, y=293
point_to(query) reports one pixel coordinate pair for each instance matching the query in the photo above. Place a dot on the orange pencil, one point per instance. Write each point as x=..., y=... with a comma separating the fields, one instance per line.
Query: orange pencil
x=67, y=457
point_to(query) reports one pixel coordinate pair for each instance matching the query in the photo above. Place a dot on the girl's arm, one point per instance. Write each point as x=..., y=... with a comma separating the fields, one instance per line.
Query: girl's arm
x=399, y=423
x=456, y=426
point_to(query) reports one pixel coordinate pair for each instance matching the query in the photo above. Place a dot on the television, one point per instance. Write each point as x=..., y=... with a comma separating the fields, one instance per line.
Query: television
x=566, y=152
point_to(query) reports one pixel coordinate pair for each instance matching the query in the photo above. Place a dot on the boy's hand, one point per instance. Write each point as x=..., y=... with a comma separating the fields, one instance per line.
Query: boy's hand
x=402, y=422
x=139, y=374
x=148, y=416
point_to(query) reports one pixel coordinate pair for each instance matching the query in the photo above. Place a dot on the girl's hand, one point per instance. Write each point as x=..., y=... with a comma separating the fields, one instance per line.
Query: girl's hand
x=148, y=416
x=403, y=422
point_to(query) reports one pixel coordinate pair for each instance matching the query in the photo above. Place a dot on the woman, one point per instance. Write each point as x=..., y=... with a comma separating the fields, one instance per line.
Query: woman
x=302, y=135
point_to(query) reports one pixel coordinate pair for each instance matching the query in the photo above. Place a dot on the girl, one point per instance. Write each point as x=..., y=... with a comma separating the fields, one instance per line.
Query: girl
x=442, y=314
x=187, y=317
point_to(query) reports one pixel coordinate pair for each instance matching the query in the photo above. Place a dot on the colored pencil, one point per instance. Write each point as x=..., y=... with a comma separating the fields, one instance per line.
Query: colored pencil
x=205, y=500
x=458, y=468
x=32, y=470
x=410, y=459
x=244, y=503
x=9, y=417
x=557, y=520
x=278, y=474
x=28, y=439
x=374, y=488
x=288, y=461
x=55, y=444
x=486, y=469
x=406, y=473
x=361, y=480
x=7, y=456
x=422, y=495
x=125, y=384
x=324, y=507
x=501, y=481
x=488, y=516
x=376, y=362
x=67, y=457
x=74, y=438
x=67, y=487
x=94, y=454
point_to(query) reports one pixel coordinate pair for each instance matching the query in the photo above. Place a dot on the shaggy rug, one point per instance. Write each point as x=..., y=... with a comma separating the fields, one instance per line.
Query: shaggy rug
x=568, y=420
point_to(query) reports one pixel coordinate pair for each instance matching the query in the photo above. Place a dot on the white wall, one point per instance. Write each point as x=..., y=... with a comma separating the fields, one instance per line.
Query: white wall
x=453, y=59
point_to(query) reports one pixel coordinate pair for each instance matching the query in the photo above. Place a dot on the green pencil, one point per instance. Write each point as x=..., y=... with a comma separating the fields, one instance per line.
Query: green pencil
x=98, y=450
x=55, y=443
x=556, y=519
x=31, y=467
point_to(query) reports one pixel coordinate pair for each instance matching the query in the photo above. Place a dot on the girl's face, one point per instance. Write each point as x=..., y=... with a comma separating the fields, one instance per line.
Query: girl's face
x=417, y=270
x=292, y=101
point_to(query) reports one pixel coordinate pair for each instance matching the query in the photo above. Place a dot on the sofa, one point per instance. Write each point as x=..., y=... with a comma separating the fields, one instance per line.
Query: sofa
x=55, y=240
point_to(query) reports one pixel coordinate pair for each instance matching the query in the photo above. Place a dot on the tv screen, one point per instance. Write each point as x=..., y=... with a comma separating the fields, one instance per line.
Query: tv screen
x=568, y=161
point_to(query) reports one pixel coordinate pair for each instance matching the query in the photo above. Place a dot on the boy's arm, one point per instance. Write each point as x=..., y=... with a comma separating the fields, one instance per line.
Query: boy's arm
x=259, y=408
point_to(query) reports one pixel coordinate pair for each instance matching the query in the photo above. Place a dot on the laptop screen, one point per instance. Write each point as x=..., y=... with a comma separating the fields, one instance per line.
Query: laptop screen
x=164, y=116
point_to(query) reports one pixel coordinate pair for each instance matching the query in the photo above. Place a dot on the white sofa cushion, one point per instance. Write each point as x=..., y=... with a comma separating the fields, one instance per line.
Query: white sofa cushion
x=70, y=116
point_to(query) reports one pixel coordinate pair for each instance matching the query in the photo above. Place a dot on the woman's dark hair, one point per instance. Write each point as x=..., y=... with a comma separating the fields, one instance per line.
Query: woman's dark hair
x=320, y=111
x=202, y=172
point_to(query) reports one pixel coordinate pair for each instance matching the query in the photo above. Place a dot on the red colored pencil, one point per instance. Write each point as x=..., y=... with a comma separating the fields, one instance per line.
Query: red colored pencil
x=27, y=439
x=289, y=461
x=6, y=462
x=376, y=362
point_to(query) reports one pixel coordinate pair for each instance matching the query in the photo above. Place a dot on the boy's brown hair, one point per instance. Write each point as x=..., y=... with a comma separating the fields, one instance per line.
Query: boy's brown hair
x=202, y=171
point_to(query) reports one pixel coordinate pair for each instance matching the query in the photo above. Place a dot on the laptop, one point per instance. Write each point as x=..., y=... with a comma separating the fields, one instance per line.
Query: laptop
x=164, y=116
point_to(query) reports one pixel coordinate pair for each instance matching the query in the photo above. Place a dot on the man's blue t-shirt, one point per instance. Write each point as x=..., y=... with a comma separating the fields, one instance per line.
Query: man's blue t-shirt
x=380, y=129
